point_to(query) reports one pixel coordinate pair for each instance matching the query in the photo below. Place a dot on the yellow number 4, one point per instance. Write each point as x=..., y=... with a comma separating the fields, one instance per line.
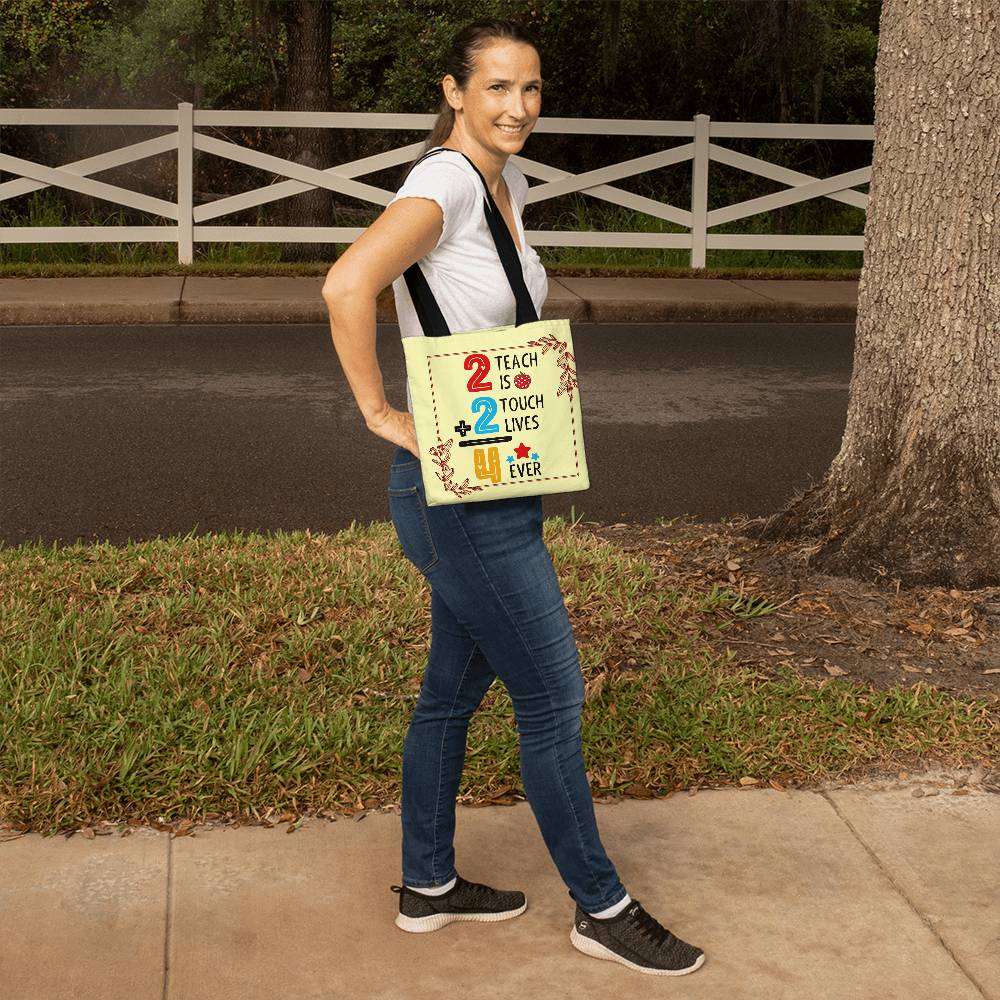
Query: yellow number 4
x=487, y=462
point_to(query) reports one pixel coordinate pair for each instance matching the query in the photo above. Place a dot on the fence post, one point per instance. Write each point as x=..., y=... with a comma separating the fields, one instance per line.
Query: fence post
x=185, y=183
x=699, y=191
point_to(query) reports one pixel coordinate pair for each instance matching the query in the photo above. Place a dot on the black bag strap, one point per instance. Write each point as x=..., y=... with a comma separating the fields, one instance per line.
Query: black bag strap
x=425, y=305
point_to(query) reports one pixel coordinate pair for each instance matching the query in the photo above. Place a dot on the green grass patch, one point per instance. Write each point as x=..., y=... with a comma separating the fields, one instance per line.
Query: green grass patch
x=57, y=269
x=237, y=672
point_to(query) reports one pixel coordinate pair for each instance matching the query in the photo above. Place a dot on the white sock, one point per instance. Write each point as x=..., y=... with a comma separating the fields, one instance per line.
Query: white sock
x=437, y=890
x=613, y=911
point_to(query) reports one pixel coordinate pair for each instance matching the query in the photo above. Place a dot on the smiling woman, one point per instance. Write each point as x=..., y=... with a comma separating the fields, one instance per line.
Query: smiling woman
x=496, y=605
x=493, y=81
x=493, y=88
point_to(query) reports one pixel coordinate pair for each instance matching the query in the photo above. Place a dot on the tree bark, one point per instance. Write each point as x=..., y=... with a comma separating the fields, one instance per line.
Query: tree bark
x=915, y=489
x=308, y=88
x=610, y=43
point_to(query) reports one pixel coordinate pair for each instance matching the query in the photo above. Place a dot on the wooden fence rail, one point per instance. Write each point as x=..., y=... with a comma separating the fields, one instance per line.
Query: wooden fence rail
x=189, y=222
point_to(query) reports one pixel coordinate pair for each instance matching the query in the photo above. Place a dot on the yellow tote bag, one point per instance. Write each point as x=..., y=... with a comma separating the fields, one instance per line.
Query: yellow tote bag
x=496, y=411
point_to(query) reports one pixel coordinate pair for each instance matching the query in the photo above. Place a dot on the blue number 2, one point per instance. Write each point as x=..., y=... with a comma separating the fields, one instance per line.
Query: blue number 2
x=489, y=407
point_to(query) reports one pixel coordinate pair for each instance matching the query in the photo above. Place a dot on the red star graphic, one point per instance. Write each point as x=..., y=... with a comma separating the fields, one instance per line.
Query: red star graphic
x=522, y=451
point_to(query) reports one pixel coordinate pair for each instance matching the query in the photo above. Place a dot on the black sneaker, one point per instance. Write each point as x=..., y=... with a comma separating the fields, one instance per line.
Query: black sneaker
x=635, y=939
x=463, y=901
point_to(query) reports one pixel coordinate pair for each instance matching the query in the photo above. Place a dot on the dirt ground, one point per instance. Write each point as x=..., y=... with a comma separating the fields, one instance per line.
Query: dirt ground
x=876, y=632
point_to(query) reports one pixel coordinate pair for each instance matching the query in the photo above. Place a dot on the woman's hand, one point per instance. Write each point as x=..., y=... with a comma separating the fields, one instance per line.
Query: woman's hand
x=395, y=426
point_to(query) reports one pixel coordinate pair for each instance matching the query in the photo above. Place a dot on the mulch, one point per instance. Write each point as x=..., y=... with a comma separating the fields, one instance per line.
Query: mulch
x=874, y=632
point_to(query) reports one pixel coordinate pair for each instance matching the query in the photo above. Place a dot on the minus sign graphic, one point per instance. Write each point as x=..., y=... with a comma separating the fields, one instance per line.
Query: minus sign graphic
x=496, y=440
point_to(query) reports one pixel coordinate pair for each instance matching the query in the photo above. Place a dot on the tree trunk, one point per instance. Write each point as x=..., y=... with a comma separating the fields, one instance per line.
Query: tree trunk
x=785, y=40
x=610, y=42
x=915, y=489
x=308, y=88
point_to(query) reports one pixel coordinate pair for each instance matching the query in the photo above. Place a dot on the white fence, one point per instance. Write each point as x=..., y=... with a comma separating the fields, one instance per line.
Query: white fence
x=189, y=221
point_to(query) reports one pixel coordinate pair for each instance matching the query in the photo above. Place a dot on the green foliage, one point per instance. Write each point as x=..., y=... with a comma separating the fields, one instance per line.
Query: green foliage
x=174, y=50
x=742, y=60
x=661, y=60
x=35, y=34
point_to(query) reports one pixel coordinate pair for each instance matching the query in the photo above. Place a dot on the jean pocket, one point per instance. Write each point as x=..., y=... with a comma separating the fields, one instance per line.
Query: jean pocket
x=406, y=508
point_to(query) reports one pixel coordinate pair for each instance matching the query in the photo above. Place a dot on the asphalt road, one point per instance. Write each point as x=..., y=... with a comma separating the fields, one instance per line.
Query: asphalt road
x=117, y=433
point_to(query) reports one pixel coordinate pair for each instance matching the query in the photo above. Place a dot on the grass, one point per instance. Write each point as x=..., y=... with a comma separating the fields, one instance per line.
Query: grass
x=236, y=673
x=44, y=208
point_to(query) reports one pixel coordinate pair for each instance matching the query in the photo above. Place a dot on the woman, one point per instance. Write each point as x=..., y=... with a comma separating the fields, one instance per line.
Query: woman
x=496, y=606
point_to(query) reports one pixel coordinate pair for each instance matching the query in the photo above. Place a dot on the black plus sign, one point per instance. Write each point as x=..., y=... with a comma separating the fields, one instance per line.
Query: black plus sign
x=463, y=428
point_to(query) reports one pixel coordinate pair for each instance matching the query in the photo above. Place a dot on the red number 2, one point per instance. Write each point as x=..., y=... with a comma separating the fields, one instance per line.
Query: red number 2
x=482, y=365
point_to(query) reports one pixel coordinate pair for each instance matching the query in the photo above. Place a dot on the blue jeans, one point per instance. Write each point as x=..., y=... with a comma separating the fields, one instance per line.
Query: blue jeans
x=496, y=611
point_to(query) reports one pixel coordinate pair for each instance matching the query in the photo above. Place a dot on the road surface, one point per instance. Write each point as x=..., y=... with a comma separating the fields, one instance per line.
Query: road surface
x=117, y=433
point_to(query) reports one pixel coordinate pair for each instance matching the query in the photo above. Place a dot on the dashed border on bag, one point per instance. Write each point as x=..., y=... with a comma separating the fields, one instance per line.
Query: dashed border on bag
x=437, y=429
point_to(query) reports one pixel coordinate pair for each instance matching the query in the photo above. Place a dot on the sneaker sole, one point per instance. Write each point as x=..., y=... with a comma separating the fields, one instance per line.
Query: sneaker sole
x=597, y=950
x=435, y=921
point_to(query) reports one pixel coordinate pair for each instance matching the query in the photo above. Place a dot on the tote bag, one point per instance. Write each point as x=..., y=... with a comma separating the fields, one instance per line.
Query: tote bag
x=496, y=411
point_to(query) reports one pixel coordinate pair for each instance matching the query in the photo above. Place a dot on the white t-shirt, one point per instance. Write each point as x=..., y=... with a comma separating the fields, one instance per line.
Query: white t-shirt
x=464, y=270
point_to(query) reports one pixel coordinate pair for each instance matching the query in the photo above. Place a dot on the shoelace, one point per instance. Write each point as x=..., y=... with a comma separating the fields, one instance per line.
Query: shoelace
x=648, y=925
x=472, y=893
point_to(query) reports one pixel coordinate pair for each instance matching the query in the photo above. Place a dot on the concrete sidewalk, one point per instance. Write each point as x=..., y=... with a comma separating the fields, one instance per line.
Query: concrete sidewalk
x=884, y=891
x=192, y=299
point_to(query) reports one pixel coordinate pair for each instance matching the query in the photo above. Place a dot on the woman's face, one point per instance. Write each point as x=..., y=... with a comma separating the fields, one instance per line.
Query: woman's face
x=505, y=89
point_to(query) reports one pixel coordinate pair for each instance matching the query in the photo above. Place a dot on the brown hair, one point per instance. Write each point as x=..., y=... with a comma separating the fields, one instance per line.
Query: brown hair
x=460, y=62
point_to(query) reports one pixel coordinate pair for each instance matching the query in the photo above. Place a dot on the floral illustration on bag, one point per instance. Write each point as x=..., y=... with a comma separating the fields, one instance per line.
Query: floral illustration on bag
x=441, y=458
x=567, y=372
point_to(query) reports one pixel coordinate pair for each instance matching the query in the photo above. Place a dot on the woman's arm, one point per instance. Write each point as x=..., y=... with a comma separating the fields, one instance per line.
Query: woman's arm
x=352, y=328
x=406, y=231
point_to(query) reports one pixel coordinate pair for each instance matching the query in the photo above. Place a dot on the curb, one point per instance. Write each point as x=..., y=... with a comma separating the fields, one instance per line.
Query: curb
x=191, y=300
x=127, y=314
